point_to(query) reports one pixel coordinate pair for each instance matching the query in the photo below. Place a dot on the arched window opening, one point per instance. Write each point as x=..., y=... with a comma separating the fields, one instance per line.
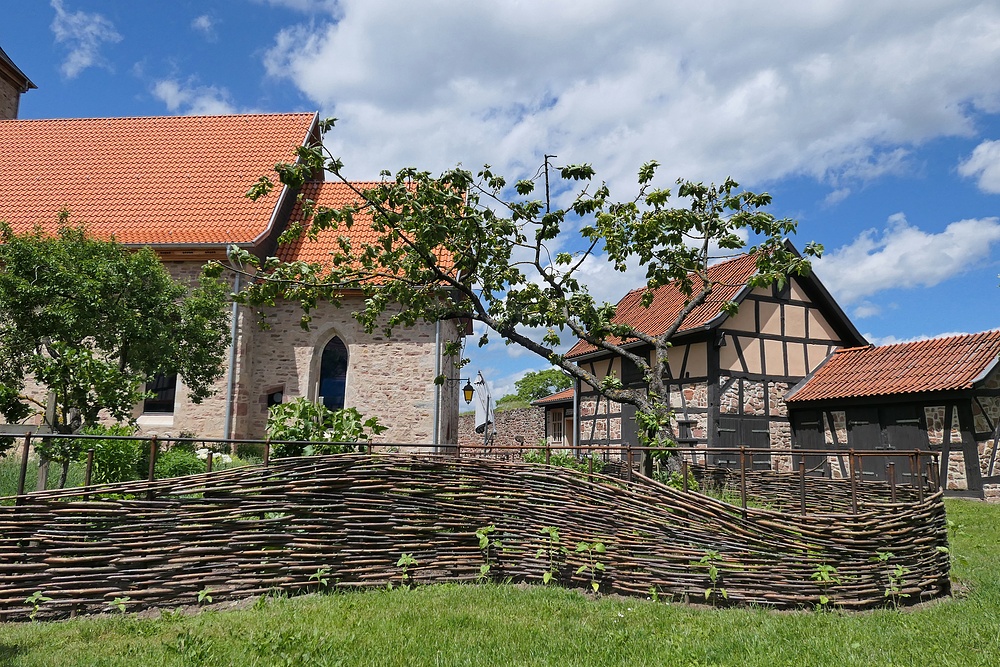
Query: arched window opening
x=333, y=374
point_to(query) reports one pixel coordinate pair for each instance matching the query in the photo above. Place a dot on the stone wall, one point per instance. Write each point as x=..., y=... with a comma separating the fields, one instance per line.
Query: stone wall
x=10, y=98
x=528, y=423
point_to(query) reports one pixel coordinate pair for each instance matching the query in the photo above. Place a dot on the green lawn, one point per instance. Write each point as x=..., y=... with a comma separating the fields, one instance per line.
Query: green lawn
x=508, y=625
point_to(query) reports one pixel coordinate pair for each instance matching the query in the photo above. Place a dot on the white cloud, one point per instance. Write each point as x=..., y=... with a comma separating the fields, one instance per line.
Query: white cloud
x=866, y=309
x=205, y=25
x=892, y=340
x=839, y=91
x=837, y=196
x=84, y=34
x=984, y=166
x=904, y=256
x=193, y=100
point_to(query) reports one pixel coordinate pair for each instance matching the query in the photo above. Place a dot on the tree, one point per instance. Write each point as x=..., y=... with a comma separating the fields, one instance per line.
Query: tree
x=92, y=322
x=539, y=384
x=461, y=245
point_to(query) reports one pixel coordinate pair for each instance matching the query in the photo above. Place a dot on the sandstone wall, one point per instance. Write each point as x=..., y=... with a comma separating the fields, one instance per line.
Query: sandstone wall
x=9, y=99
x=528, y=423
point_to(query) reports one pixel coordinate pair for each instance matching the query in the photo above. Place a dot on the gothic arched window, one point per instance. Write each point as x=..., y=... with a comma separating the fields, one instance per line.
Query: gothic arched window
x=333, y=374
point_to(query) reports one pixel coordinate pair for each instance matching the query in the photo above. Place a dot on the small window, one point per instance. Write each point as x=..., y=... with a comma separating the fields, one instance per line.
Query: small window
x=333, y=374
x=556, y=432
x=275, y=397
x=164, y=388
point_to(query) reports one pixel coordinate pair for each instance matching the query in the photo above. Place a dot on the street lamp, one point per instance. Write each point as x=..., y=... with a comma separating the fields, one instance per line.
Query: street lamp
x=468, y=391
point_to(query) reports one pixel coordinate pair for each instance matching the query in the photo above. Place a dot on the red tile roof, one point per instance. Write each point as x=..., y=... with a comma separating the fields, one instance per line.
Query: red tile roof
x=668, y=301
x=558, y=397
x=938, y=364
x=333, y=194
x=155, y=180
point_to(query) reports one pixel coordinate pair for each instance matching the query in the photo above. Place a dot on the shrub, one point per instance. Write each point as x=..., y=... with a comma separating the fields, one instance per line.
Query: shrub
x=331, y=431
x=114, y=460
x=177, y=463
x=562, y=460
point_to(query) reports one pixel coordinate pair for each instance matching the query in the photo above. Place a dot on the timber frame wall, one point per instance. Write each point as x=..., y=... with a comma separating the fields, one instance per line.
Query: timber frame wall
x=727, y=381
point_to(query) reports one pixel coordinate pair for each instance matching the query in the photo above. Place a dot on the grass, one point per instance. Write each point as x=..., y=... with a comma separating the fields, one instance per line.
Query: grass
x=509, y=625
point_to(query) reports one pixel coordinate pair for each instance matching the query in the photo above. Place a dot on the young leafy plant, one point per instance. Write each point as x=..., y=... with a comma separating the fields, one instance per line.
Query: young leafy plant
x=321, y=576
x=490, y=548
x=406, y=561
x=825, y=577
x=895, y=578
x=552, y=551
x=592, y=566
x=120, y=603
x=36, y=600
x=714, y=590
x=205, y=596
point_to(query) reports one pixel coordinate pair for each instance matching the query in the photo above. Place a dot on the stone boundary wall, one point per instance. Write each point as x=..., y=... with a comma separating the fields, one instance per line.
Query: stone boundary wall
x=526, y=422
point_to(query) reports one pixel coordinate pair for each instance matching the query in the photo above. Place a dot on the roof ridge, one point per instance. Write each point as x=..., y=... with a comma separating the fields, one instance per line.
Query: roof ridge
x=154, y=117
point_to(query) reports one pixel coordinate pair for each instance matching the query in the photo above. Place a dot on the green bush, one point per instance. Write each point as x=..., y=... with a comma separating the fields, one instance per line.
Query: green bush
x=562, y=460
x=114, y=460
x=177, y=463
x=302, y=420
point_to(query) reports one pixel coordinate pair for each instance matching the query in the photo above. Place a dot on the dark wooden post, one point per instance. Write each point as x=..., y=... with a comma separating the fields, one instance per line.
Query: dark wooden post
x=918, y=475
x=548, y=451
x=854, y=481
x=892, y=480
x=208, y=461
x=684, y=473
x=87, y=474
x=628, y=463
x=153, y=447
x=743, y=476
x=802, y=483
x=590, y=467
x=267, y=452
x=24, y=467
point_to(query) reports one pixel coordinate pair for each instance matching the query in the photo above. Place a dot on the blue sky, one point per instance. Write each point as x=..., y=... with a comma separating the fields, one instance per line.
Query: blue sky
x=875, y=124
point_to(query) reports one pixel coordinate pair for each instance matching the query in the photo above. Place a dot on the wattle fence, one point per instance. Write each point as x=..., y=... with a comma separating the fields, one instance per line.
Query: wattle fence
x=371, y=520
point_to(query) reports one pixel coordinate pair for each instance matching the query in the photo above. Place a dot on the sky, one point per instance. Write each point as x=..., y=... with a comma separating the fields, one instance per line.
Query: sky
x=875, y=124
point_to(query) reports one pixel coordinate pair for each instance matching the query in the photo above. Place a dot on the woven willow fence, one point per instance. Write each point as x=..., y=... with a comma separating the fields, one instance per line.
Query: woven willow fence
x=348, y=519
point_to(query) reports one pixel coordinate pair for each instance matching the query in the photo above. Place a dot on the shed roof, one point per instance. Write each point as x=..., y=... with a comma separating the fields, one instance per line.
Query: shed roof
x=153, y=180
x=564, y=396
x=939, y=364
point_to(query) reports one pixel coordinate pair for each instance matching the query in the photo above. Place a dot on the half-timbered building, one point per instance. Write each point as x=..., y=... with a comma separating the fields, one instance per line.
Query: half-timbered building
x=728, y=374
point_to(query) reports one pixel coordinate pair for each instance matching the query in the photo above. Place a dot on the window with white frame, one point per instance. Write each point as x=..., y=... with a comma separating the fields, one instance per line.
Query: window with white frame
x=556, y=422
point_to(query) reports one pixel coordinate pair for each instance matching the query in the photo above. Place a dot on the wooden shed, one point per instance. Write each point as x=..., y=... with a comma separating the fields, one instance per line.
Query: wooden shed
x=941, y=394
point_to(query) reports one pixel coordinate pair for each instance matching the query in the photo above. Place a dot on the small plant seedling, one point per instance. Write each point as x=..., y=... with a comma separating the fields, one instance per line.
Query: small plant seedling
x=205, y=596
x=895, y=576
x=593, y=566
x=487, y=544
x=321, y=577
x=825, y=577
x=120, y=603
x=713, y=592
x=36, y=600
x=551, y=551
x=405, y=562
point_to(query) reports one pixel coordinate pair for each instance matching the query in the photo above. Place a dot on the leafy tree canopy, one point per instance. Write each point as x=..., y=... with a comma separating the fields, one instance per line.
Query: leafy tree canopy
x=465, y=245
x=539, y=384
x=92, y=321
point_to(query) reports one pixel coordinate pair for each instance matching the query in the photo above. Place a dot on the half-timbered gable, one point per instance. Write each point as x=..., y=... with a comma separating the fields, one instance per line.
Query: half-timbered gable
x=941, y=394
x=727, y=374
